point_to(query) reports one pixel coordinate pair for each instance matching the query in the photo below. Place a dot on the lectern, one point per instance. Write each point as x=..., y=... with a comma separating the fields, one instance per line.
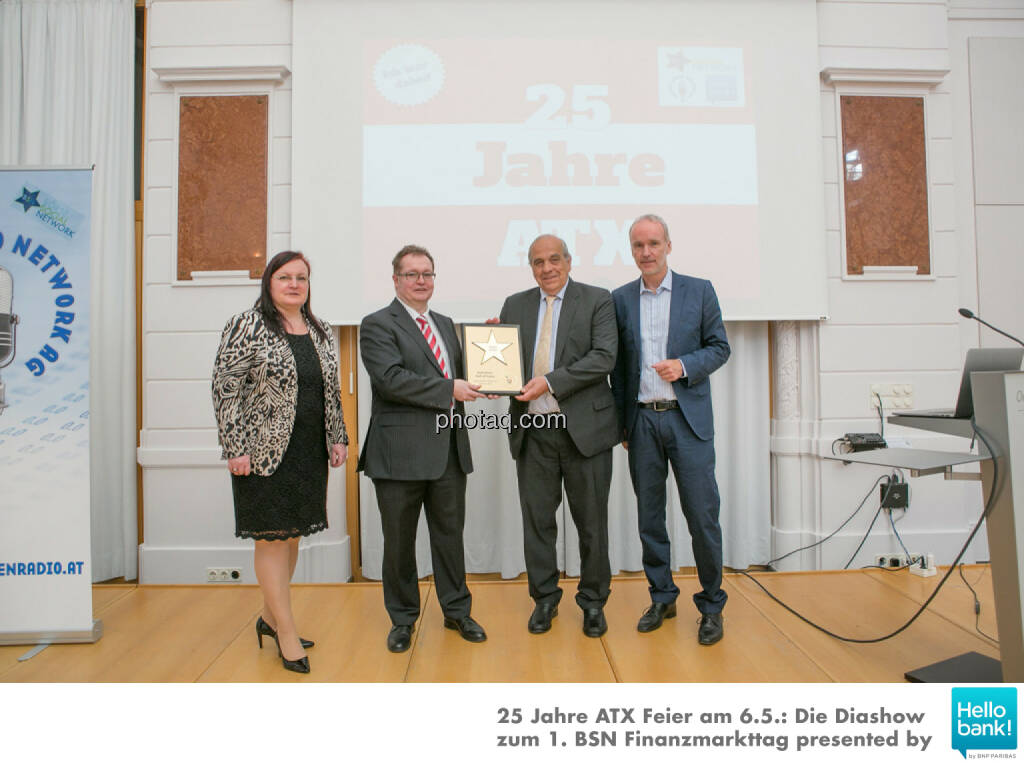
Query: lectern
x=999, y=415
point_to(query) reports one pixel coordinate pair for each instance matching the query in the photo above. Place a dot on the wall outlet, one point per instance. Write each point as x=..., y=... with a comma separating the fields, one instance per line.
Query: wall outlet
x=223, y=575
x=894, y=396
x=893, y=561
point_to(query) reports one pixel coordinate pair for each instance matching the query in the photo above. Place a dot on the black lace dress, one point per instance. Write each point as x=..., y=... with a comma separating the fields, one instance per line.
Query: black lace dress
x=293, y=500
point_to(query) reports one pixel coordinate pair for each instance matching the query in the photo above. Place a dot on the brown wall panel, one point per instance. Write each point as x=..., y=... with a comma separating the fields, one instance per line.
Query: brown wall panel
x=885, y=182
x=222, y=184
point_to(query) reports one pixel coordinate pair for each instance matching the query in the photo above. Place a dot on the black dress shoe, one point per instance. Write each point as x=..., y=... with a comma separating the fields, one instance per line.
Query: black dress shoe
x=399, y=638
x=710, y=629
x=654, y=616
x=540, y=620
x=300, y=665
x=263, y=629
x=594, y=624
x=467, y=627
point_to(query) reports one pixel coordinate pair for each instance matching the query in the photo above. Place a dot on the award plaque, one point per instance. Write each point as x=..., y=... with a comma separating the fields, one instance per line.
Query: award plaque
x=494, y=357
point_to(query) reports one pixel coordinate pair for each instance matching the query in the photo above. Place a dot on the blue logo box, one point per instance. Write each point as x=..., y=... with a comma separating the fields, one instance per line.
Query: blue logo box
x=984, y=718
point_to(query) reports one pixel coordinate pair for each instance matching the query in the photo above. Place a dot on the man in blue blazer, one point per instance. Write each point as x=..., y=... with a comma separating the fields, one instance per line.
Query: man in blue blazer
x=671, y=338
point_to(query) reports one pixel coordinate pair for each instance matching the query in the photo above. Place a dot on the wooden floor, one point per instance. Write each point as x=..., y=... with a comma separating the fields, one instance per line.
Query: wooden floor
x=206, y=633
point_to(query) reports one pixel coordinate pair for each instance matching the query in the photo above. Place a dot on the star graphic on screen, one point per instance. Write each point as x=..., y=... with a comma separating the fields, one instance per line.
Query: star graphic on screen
x=678, y=60
x=28, y=199
x=492, y=349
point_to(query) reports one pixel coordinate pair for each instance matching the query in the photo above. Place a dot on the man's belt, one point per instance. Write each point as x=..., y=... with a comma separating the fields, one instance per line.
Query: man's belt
x=660, y=405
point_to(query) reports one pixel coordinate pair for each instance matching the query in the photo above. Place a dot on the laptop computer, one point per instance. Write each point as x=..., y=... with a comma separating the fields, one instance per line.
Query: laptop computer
x=978, y=359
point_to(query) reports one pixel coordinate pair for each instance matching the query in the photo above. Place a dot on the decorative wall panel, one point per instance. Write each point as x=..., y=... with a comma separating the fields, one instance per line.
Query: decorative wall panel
x=222, y=184
x=885, y=183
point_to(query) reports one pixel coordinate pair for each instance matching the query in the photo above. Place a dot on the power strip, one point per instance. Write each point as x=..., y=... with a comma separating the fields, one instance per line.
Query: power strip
x=924, y=566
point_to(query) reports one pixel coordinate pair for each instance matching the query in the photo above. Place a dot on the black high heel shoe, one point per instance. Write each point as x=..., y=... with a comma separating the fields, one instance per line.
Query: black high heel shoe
x=300, y=665
x=262, y=629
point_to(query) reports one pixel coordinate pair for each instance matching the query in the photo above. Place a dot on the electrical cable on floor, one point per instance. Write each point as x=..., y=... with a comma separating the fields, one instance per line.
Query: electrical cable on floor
x=977, y=607
x=993, y=494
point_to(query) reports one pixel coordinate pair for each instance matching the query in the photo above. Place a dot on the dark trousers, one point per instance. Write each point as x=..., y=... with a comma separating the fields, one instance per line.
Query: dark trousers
x=444, y=501
x=660, y=438
x=548, y=458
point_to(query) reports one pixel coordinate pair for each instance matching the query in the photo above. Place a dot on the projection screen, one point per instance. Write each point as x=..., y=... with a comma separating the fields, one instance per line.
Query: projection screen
x=472, y=127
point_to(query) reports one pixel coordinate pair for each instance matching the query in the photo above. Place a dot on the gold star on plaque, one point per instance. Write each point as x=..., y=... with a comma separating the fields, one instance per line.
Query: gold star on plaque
x=492, y=349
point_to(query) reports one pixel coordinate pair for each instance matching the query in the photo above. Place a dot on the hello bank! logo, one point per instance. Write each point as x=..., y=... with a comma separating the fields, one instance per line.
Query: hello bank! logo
x=984, y=719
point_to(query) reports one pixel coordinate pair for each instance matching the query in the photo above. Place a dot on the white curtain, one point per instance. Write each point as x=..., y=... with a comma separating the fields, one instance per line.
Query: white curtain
x=66, y=99
x=494, y=525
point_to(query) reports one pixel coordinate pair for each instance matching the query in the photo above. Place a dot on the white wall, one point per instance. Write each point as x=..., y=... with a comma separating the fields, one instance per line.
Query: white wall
x=997, y=122
x=879, y=331
x=200, y=48
x=894, y=331
x=889, y=331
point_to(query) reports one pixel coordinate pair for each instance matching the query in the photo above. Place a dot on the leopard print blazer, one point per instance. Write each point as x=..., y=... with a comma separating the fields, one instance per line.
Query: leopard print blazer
x=256, y=388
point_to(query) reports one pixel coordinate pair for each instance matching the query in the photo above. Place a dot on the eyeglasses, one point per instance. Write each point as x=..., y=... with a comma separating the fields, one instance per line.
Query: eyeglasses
x=300, y=280
x=410, y=276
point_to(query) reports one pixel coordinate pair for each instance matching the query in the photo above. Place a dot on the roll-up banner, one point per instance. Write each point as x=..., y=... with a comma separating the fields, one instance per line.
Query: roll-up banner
x=45, y=569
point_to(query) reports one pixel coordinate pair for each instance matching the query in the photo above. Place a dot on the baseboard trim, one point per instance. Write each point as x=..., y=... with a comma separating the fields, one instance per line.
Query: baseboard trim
x=319, y=562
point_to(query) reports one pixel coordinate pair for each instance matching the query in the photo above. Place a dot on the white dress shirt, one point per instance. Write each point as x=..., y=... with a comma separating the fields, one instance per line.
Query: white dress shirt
x=655, y=312
x=437, y=334
x=546, y=403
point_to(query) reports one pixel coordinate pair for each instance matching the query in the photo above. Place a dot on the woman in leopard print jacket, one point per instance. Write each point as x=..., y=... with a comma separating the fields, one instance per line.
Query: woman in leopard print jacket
x=277, y=399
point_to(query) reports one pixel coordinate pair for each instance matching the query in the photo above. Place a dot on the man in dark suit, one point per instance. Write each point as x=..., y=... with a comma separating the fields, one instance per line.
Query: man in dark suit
x=413, y=356
x=671, y=338
x=568, y=336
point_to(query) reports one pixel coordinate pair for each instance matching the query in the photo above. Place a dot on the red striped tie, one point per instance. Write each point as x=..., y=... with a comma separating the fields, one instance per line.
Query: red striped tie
x=432, y=341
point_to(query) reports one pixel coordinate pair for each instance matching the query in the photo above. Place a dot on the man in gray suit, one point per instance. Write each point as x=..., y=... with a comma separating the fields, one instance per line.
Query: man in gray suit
x=412, y=355
x=569, y=340
x=671, y=338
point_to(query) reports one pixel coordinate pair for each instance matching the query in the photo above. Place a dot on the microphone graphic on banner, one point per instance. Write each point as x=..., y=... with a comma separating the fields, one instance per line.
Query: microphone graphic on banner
x=8, y=322
x=963, y=311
